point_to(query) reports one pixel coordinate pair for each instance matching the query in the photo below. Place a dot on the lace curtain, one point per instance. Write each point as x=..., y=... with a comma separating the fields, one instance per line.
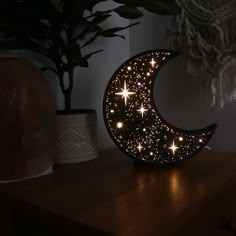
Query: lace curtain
x=205, y=32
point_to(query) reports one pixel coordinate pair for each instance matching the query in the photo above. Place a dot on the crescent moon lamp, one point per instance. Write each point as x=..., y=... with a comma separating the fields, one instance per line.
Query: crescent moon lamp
x=133, y=120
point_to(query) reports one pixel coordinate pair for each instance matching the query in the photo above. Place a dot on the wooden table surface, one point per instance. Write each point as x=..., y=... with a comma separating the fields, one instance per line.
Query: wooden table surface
x=113, y=196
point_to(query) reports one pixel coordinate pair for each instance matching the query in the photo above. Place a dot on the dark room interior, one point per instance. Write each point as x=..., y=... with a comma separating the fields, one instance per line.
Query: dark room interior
x=117, y=117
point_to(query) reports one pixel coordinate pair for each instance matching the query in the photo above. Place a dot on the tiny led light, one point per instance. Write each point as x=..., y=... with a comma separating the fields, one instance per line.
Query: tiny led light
x=173, y=147
x=142, y=110
x=125, y=93
x=132, y=96
x=152, y=62
x=139, y=147
x=119, y=125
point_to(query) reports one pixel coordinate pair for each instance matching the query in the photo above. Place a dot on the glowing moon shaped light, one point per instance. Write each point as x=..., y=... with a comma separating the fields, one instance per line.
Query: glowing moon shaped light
x=133, y=121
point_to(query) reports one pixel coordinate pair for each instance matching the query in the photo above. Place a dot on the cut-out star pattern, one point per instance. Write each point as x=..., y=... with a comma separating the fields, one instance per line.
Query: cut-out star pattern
x=142, y=110
x=173, y=148
x=129, y=100
x=125, y=93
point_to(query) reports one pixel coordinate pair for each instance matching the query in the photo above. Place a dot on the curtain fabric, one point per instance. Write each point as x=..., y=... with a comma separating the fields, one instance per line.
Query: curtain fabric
x=205, y=32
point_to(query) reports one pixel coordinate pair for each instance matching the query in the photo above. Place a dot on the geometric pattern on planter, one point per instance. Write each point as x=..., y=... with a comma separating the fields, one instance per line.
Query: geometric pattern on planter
x=77, y=138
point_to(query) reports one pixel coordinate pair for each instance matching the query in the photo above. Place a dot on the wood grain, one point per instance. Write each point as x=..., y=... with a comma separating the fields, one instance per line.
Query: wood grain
x=113, y=196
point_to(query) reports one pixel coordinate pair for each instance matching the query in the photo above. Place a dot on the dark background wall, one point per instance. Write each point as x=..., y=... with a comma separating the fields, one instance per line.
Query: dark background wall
x=178, y=95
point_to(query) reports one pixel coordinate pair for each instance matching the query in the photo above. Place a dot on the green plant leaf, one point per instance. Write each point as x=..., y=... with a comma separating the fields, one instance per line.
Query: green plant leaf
x=111, y=32
x=54, y=37
x=83, y=62
x=128, y=12
x=76, y=53
x=91, y=54
x=108, y=33
x=92, y=3
x=92, y=26
x=98, y=13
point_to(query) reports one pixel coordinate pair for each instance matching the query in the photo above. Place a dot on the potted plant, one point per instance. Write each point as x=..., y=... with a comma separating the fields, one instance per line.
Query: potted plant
x=60, y=30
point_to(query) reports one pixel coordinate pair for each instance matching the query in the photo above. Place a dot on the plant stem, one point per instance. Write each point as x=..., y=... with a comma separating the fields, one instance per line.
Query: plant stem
x=68, y=92
x=67, y=97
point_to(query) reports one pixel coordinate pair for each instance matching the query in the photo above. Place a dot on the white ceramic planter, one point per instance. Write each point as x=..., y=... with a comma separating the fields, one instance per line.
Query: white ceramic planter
x=77, y=137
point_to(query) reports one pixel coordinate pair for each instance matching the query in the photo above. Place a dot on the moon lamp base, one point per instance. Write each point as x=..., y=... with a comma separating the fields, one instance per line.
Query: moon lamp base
x=143, y=163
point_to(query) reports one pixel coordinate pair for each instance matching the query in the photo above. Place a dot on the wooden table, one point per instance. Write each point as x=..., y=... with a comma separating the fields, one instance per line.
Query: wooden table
x=113, y=196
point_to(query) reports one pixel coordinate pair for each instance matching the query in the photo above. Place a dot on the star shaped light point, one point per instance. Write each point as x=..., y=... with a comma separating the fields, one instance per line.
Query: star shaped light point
x=140, y=147
x=173, y=147
x=152, y=62
x=125, y=93
x=142, y=109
